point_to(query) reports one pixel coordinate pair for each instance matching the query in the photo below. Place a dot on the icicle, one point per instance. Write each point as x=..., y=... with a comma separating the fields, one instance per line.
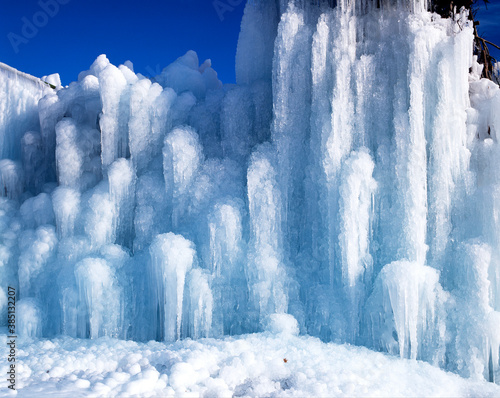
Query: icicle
x=19, y=94
x=267, y=276
x=337, y=140
x=476, y=334
x=99, y=299
x=100, y=216
x=151, y=211
x=172, y=257
x=37, y=251
x=290, y=129
x=226, y=264
x=11, y=179
x=182, y=157
x=320, y=128
x=115, y=112
x=66, y=204
x=405, y=312
x=149, y=120
x=356, y=191
x=28, y=214
x=237, y=123
x=69, y=157
x=258, y=31
x=121, y=177
x=33, y=161
x=198, y=319
x=29, y=318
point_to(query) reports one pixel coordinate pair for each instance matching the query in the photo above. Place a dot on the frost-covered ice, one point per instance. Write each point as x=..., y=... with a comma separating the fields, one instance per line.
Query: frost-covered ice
x=349, y=180
x=264, y=364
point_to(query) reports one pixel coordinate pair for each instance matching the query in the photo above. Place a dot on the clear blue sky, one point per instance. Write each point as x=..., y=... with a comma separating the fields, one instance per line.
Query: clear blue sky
x=150, y=33
x=489, y=27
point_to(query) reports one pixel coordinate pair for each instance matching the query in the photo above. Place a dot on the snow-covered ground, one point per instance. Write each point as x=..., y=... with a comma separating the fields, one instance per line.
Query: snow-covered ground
x=263, y=364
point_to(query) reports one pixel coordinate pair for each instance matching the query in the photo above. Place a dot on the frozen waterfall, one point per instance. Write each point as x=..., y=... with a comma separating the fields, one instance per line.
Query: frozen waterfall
x=348, y=179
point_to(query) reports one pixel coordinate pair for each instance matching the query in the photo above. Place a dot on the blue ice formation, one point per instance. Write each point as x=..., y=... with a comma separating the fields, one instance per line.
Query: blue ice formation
x=349, y=179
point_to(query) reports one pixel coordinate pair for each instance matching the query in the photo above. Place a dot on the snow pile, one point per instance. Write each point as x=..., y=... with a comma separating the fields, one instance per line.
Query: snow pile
x=348, y=181
x=253, y=365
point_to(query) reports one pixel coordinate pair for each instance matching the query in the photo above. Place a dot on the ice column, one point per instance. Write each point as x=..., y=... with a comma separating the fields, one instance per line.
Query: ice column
x=37, y=251
x=50, y=111
x=411, y=151
x=237, y=125
x=320, y=128
x=149, y=120
x=182, y=157
x=290, y=129
x=115, y=112
x=476, y=337
x=69, y=157
x=33, y=161
x=267, y=276
x=172, y=256
x=405, y=312
x=11, y=179
x=150, y=218
x=254, y=61
x=226, y=266
x=100, y=217
x=198, y=315
x=121, y=177
x=37, y=211
x=66, y=204
x=19, y=94
x=448, y=175
x=255, y=51
x=28, y=318
x=355, y=206
x=99, y=299
x=337, y=140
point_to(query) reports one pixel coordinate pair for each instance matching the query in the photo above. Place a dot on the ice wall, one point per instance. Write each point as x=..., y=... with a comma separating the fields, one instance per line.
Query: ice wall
x=19, y=109
x=348, y=180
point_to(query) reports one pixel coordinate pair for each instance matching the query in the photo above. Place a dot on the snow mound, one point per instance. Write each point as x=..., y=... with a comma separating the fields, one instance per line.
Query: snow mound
x=282, y=323
x=251, y=365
